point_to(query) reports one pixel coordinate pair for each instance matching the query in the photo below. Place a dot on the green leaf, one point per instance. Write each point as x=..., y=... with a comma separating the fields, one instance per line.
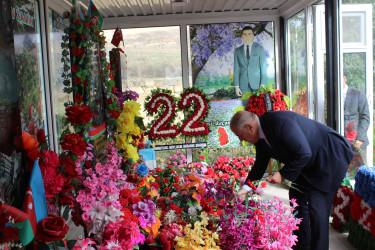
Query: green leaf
x=66, y=213
x=240, y=108
x=287, y=100
x=71, y=243
x=246, y=96
x=245, y=143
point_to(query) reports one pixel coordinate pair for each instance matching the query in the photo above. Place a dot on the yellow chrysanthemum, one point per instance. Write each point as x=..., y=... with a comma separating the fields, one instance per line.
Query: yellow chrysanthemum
x=131, y=152
x=125, y=123
x=136, y=131
x=121, y=140
x=132, y=107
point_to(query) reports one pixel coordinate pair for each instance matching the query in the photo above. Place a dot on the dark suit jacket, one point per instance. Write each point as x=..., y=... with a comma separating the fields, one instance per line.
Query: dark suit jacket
x=315, y=156
x=253, y=73
x=356, y=109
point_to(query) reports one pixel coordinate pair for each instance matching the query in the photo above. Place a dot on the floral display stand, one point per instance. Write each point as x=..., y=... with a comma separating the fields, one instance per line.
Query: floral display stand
x=362, y=224
x=341, y=206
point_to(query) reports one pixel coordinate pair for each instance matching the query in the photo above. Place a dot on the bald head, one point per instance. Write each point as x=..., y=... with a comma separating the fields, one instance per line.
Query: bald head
x=244, y=124
x=240, y=118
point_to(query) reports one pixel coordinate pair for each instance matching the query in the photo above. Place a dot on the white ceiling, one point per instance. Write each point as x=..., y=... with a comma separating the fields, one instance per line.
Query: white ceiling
x=141, y=8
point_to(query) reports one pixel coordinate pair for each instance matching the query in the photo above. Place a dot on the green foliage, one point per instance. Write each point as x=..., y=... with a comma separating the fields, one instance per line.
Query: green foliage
x=225, y=94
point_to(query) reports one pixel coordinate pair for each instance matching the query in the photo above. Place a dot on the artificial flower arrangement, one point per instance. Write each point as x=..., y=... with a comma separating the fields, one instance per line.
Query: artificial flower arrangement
x=362, y=222
x=195, y=106
x=257, y=105
x=163, y=106
x=359, y=158
x=80, y=39
x=129, y=136
x=342, y=203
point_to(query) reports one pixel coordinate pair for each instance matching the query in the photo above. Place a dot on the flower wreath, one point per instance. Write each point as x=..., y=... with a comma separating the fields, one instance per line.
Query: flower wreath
x=195, y=114
x=81, y=36
x=161, y=126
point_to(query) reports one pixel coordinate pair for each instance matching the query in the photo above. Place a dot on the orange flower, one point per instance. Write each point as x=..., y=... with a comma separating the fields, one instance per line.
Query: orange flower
x=154, y=229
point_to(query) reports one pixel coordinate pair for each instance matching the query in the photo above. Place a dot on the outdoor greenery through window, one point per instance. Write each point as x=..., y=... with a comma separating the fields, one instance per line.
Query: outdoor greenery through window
x=152, y=60
x=297, y=63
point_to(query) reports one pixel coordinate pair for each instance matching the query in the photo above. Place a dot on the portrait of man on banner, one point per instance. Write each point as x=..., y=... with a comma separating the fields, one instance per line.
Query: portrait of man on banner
x=227, y=61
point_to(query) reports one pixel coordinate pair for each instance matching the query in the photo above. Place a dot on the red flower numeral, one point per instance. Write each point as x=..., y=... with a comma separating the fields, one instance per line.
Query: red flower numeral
x=160, y=127
x=192, y=125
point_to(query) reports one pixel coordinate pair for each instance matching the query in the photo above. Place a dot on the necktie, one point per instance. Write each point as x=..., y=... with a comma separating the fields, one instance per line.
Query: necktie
x=247, y=53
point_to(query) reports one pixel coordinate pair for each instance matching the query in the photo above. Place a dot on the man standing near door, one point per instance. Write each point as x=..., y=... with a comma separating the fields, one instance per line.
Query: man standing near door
x=250, y=64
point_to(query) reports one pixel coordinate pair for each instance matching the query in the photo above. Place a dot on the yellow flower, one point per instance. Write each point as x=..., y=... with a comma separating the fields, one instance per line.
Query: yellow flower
x=121, y=140
x=150, y=179
x=125, y=123
x=136, y=130
x=132, y=107
x=131, y=152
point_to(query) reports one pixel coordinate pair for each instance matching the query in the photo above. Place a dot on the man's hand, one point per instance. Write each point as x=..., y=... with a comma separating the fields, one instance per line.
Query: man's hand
x=358, y=144
x=238, y=91
x=240, y=195
x=275, y=178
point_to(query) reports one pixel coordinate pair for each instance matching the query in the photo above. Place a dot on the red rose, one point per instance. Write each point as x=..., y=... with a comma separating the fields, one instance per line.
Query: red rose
x=79, y=114
x=76, y=51
x=74, y=144
x=77, y=80
x=51, y=228
x=114, y=113
x=74, y=68
x=78, y=98
x=167, y=189
x=76, y=21
x=40, y=136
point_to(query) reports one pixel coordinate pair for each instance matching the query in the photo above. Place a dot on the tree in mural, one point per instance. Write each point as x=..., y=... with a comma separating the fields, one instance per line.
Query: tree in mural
x=208, y=39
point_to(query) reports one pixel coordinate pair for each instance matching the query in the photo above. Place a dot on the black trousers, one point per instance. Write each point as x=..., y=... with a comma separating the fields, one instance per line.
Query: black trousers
x=314, y=210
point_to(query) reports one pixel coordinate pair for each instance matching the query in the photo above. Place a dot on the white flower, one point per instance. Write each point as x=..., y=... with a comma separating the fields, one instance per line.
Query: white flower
x=170, y=217
x=192, y=210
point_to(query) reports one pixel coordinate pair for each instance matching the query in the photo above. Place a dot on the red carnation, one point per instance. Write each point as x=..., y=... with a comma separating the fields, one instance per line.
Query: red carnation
x=69, y=166
x=41, y=137
x=74, y=144
x=79, y=114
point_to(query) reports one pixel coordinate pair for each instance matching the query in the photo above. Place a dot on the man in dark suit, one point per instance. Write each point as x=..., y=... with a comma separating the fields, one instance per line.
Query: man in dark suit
x=356, y=111
x=315, y=158
x=250, y=64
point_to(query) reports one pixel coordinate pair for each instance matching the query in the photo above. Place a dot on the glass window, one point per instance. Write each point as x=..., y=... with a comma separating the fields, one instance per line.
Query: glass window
x=297, y=83
x=153, y=60
x=27, y=45
x=356, y=53
x=57, y=24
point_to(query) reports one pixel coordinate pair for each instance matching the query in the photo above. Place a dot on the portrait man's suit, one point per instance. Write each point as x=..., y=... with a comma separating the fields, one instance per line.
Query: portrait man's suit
x=250, y=74
x=356, y=109
x=316, y=158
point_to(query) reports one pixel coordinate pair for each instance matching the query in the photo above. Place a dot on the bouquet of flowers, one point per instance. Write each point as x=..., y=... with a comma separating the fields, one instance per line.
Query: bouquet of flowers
x=257, y=104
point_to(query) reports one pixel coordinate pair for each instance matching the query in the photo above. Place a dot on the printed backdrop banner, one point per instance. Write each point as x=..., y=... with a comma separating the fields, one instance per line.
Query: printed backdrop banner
x=219, y=63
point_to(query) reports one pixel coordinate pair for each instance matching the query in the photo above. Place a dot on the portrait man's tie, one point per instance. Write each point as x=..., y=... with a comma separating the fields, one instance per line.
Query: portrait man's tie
x=247, y=53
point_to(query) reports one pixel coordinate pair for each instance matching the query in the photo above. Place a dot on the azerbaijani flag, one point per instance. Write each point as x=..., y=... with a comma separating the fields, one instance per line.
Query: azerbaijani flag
x=34, y=208
x=93, y=11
